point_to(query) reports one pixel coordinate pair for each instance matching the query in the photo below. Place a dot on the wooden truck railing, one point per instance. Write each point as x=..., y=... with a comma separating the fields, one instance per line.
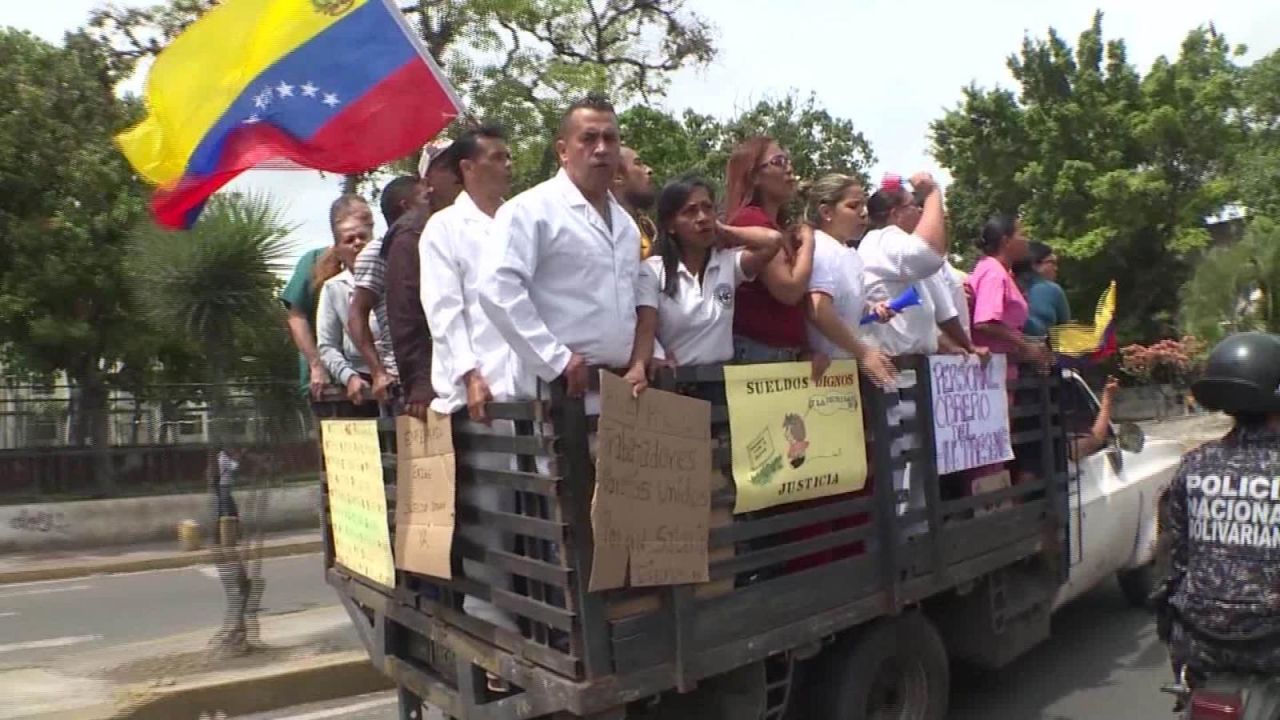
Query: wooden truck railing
x=781, y=579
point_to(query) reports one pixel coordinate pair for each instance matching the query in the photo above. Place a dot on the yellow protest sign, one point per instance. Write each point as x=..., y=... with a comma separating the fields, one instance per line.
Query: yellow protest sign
x=793, y=438
x=357, y=498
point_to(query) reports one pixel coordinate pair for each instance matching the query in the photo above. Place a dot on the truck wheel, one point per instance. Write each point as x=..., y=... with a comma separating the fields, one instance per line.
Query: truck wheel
x=895, y=670
x=1137, y=584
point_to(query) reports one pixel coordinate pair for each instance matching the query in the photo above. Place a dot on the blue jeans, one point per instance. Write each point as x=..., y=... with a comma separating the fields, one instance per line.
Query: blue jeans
x=746, y=350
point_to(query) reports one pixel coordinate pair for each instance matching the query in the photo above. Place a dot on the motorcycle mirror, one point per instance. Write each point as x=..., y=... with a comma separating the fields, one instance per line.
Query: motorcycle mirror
x=1131, y=438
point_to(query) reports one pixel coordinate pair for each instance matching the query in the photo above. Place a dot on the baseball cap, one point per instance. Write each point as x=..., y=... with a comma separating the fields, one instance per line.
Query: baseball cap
x=431, y=152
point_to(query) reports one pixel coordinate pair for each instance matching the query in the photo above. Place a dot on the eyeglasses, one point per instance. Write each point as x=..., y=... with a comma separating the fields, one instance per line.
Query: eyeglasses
x=782, y=161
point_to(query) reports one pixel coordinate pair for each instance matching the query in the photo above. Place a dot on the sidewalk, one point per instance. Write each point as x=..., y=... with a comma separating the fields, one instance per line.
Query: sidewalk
x=305, y=656
x=1189, y=430
x=62, y=564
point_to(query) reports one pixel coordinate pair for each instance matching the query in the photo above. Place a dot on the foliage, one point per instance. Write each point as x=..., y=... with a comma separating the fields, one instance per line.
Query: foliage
x=216, y=283
x=1236, y=287
x=514, y=62
x=1116, y=170
x=1167, y=361
x=67, y=198
x=1258, y=178
x=818, y=142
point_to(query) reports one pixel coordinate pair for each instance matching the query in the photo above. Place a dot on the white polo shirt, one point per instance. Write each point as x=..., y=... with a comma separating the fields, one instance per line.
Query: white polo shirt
x=838, y=273
x=894, y=261
x=560, y=281
x=697, y=324
x=463, y=339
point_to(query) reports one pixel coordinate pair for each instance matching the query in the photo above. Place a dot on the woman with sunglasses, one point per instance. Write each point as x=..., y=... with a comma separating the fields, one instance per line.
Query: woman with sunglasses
x=1037, y=276
x=769, y=322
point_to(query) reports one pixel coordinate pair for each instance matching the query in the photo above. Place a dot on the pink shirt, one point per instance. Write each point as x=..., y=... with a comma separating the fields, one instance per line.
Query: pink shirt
x=996, y=298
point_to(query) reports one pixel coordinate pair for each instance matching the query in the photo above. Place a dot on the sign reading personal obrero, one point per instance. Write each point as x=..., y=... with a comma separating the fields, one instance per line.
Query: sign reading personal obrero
x=794, y=438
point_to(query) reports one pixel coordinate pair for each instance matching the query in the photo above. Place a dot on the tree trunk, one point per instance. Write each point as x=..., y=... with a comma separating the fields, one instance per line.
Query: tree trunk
x=91, y=424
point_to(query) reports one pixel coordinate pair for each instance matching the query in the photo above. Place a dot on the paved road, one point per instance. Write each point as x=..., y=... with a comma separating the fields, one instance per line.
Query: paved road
x=42, y=621
x=1104, y=661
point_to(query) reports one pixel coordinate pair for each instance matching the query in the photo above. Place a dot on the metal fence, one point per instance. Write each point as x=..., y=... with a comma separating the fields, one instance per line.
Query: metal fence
x=158, y=440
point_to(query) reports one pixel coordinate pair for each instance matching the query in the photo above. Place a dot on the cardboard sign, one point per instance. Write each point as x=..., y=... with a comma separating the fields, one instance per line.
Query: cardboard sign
x=426, y=492
x=357, y=498
x=793, y=438
x=988, y=484
x=970, y=412
x=652, y=506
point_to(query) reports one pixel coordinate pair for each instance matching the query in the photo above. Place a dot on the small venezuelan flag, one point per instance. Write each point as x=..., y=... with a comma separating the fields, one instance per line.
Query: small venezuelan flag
x=1077, y=344
x=336, y=85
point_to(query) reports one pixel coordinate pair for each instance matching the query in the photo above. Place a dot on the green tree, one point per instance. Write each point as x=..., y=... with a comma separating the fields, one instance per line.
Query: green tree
x=67, y=200
x=514, y=62
x=216, y=285
x=1236, y=287
x=674, y=146
x=1115, y=170
x=1259, y=171
x=694, y=143
x=818, y=142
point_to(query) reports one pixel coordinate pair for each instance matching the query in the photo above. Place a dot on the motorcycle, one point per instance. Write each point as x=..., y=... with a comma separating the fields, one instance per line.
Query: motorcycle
x=1226, y=696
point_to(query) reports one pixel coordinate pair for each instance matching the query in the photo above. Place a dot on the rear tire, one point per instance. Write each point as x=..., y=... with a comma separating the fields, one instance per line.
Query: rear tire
x=894, y=670
x=1137, y=584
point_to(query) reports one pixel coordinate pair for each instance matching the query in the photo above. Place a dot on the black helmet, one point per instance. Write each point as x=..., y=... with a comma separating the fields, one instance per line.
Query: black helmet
x=1242, y=375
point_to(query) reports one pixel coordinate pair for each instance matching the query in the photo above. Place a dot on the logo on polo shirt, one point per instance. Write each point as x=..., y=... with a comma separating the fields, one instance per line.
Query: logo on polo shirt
x=724, y=295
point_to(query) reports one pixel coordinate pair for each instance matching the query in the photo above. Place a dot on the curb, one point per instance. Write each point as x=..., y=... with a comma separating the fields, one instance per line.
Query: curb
x=329, y=677
x=164, y=562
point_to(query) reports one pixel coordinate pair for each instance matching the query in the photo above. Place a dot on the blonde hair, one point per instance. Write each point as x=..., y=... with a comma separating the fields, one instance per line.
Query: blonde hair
x=826, y=190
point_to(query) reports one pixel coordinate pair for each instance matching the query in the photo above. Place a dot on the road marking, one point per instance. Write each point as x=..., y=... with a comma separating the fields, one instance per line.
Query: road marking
x=209, y=571
x=50, y=643
x=44, y=591
x=7, y=614
x=345, y=709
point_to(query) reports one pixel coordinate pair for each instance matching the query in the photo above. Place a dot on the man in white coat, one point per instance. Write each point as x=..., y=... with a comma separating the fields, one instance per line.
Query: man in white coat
x=561, y=285
x=470, y=361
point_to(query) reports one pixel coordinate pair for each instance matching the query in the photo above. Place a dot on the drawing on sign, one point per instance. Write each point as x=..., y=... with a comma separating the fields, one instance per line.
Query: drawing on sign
x=426, y=492
x=795, y=438
x=357, y=498
x=970, y=412
x=793, y=427
x=652, y=506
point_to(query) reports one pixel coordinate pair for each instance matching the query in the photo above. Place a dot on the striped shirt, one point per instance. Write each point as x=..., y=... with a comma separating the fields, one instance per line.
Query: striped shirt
x=371, y=274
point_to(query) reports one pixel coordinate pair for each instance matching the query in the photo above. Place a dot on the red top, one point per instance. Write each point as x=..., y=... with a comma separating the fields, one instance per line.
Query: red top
x=758, y=315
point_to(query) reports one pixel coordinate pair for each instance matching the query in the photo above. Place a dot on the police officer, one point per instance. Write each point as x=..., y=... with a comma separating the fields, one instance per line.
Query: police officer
x=1220, y=609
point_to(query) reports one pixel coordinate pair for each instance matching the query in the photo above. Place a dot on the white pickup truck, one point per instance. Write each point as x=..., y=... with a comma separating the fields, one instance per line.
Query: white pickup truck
x=1113, y=504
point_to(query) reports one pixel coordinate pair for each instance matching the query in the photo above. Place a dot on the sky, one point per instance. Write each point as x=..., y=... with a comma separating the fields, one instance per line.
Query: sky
x=890, y=67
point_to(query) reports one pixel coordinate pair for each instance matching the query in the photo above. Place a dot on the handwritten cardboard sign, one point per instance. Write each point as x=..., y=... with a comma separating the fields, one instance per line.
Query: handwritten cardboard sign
x=357, y=498
x=426, y=490
x=970, y=412
x=794, y=438
x=652, y=506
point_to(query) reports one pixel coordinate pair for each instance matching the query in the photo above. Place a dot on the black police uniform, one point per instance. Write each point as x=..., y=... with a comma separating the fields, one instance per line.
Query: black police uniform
x=1224, y=534
x=1221, y=609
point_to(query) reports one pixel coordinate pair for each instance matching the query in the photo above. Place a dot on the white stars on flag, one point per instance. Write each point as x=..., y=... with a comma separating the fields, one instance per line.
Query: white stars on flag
x=282, y=95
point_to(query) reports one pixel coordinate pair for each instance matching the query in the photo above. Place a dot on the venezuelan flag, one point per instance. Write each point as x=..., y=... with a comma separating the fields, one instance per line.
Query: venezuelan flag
x=336, y=85
x=1077, y=344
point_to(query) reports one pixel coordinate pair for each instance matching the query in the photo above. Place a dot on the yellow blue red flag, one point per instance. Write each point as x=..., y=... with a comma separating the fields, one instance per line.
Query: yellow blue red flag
x=336, y=85
x=1076, y=343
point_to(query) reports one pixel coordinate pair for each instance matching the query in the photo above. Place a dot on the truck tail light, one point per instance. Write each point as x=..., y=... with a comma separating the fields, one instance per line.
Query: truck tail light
x=1216, y=706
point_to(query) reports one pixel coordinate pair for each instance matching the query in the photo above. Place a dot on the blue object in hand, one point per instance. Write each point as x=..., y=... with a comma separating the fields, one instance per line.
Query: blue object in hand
x=907, y=299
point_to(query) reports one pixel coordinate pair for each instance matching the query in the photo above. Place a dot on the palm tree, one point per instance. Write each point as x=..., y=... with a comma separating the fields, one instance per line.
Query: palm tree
x=215, y=286
x=1236, y=287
